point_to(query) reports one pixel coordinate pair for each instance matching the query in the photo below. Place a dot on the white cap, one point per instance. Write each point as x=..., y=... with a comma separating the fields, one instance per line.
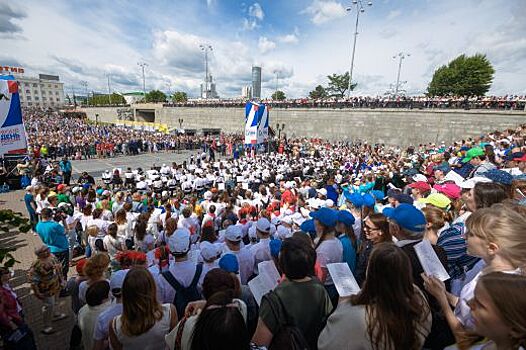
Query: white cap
x=209, y=251
x=234, y=233
x=263, y=225
x=252, y=232
x=207, y=195
x=179, y=242
x=468, y=184
x=322, y=191
x=286, y=220
x=117, y=279
x=329, y=203
x=275, y=221
x=419, y=177
x=283, y=232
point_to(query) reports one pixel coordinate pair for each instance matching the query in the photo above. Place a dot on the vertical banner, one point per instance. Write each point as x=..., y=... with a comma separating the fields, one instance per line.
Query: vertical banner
x=12, y=132
x=251, y=123
x=263, y=124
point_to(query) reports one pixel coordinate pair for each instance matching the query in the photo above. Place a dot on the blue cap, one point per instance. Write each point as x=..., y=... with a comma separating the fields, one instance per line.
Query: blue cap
x=464, y=148
x=368, y=200
x=379, y=195
x=345, y=217
x=355, y=198
x=327, y=217
x=275, y=247
x=407, y=217
x=498, y=176
x=443, y=167
x=308, y=226
x=229, y=263
x=403, y=198
x=410, y=172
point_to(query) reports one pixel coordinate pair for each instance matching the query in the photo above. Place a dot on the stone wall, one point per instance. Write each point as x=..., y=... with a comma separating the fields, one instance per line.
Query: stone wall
x=391, y=126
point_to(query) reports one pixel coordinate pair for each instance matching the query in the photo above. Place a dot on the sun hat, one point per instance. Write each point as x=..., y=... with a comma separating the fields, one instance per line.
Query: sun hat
x=325, y=216
x=308, y=226
x=209, y=250
x=346, y=218
x=263, y=225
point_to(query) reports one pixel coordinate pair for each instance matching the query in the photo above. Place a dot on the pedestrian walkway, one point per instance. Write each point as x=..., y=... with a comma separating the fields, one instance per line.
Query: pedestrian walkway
x=25, y=244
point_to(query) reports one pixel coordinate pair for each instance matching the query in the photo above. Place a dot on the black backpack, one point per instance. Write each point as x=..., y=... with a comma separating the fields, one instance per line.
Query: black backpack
x=184, y=295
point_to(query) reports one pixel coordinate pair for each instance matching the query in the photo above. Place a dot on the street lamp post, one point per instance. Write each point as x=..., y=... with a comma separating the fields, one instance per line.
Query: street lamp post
x=280, y=129
x=401, y=56
x=85, y=85
x=142, y=65
x=360, y=8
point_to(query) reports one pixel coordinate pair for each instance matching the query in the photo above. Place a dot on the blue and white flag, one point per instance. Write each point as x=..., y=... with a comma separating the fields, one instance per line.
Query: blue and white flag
x=263, y=118
x=256, y=123
x=12, y=131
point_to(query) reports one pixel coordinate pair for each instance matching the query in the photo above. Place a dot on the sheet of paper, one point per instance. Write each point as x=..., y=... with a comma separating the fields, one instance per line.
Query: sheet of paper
x=259, y=287
x=244, y=185
x=269, y=270
x=221, y=186
x=429, y=260
x=343, y=279
x=240, y=178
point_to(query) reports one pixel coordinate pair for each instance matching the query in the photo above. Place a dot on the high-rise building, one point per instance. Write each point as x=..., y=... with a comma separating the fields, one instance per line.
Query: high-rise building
x=246, y=92
x=44, y=91
x=256, y=82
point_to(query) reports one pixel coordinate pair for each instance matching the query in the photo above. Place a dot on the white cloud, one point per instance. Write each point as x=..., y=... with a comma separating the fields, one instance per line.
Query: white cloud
x=255, y=10
x=323, y=11
x=249, y=24
x=265, y=45
x=393, y=14
x=288, y=39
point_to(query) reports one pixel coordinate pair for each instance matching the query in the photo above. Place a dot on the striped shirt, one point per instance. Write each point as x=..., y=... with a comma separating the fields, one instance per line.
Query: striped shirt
x=455, y=247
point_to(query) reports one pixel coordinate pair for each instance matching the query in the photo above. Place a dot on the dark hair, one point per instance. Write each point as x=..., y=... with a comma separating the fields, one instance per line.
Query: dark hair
x=218, y=280
x=297, y=258
x=140, y=230
x=97, y=213
x=97, y=293
x=392, y=313
x=208, y=234
x=485, y=194
x=46, y=213
x=112, y=230
x=220, y=326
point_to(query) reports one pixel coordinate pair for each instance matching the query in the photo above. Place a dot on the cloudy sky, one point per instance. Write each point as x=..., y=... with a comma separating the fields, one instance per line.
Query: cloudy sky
x=303, y=41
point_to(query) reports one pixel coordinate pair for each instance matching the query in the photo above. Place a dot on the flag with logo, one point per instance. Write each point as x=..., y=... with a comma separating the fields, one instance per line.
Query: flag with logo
x=12, y=131
x=263, y=123
x=256, y=123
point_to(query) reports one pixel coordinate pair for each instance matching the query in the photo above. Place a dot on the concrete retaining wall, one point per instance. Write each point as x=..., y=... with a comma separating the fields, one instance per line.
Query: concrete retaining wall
x=391, y=126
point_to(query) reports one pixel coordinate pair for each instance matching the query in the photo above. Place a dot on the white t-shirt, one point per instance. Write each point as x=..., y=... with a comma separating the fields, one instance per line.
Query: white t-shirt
x=328, y=252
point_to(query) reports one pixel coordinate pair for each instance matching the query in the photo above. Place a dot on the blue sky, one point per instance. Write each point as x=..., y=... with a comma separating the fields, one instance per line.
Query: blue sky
x=303, y=41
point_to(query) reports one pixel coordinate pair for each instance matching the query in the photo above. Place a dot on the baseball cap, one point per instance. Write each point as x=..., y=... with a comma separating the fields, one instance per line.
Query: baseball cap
x=392, y=192
x=179, y=242
x=354, y=198
x=420, y=185
x=439, y=200
x=368, y=200
x=61, y=187
x=308, y=226
x=450, y=190
x=117, y=279
x=407, y=216
x=229, y=263
x=403, y=198
x=498, y=176
x=521, y=158
x=325, y=216
x=473, y=153
x=322, y=191
x=209, y=251
x=345, y=217
x=379, y=195
x=263, y=225
x=207, y=195
x=234, y=233
x=275, y=247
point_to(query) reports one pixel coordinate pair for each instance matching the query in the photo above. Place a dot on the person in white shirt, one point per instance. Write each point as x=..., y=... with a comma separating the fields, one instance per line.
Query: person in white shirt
x=232, y=245
x=97, y=300
x=210, y=254
x=261, y=250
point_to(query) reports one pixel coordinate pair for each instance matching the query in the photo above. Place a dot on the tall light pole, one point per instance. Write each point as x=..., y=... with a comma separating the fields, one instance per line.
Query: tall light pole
x=206, y=48
x=85, y=85
x=277, y=81
x=360, y=8
x=142, y=65
x=401, y=56
x=109, y=88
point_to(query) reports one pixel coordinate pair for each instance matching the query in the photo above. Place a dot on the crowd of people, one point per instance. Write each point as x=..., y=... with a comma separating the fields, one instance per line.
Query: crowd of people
x=508, y=102
x=173, y=256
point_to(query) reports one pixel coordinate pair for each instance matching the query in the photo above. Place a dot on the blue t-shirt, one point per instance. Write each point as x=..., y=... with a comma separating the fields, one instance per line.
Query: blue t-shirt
x=349, y=253
x=28, y=199
x=52, y=234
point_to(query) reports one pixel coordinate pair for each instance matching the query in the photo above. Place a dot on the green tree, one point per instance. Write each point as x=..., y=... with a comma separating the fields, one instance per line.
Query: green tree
x=339, y=84
x=464, y=76
x=155, y=96
x=319, y=93
x=104, y=99
x=279, y=95
x=179, y=96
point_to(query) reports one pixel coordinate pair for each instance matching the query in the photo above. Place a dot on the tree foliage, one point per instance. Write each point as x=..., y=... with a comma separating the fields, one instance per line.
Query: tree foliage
x=179, y=96
x=339, y=84
x=464, y=76
x=155, y=96
x=279, y=95
x=11, y=220
x=99, y=100
x=319, y=93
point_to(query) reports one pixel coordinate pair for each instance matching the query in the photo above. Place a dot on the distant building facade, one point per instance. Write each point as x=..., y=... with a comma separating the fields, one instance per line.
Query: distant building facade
x=256, y=82
x=45, y=91
x=246, y=92
x=133, y=97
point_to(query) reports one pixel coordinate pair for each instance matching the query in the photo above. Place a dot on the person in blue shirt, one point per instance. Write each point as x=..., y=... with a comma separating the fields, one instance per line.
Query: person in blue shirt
x=66, y=169
x=347, y=237
x=54, y=236
x=31, y=206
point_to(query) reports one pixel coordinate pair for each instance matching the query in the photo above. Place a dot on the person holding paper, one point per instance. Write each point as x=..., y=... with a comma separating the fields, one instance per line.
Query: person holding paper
x=329, y=249
x=397, y=317
x=496, y=235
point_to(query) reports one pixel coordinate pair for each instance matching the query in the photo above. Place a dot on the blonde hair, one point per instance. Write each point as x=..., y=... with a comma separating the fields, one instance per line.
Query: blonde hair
x=96, y=266
x=434, y=216
x=92, y=230
x=504, y=226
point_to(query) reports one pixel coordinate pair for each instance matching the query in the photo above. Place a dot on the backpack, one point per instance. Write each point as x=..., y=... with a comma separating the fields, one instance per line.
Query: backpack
x=289, y=336
x=184, y=295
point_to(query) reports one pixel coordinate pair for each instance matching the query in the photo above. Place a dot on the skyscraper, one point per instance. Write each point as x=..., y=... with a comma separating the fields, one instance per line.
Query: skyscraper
x=256, y=82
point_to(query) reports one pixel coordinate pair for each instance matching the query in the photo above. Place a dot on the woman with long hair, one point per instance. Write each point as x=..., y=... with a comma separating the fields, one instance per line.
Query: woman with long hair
x=496, y=235
x=498, y=311
x=144, y=322
x=380, y=317
x=376, y=230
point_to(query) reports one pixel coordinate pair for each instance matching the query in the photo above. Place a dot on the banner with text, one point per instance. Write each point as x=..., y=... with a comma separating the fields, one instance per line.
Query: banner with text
x=256, y=123
x=12, y=131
